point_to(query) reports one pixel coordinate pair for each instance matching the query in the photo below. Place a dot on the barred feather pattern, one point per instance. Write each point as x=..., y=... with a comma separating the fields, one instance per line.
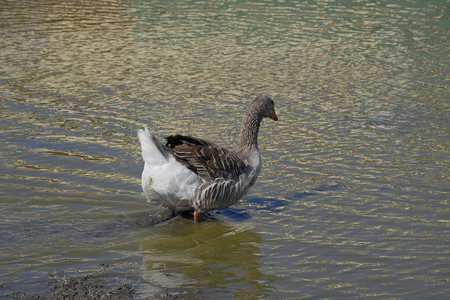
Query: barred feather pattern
x=222, y=193
x=207, y=160
x=226, y=177
x=191, y=172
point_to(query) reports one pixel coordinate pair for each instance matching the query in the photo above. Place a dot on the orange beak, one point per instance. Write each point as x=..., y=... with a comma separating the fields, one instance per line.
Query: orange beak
x=274, y=116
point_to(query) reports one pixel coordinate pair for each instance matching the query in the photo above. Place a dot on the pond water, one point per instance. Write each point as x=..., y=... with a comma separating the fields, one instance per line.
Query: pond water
x=353, y=197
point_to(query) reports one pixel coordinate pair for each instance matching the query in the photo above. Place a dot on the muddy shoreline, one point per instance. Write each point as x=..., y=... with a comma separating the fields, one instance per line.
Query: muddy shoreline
x=90, y=287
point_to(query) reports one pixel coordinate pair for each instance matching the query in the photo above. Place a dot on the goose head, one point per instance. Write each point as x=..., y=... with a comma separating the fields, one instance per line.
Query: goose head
x=265, y=106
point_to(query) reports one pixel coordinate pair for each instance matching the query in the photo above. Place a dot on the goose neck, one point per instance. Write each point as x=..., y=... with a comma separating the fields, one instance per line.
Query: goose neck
x=249, y=132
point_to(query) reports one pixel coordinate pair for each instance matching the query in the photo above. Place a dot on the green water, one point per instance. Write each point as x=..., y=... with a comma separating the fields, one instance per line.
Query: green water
x=353, y=197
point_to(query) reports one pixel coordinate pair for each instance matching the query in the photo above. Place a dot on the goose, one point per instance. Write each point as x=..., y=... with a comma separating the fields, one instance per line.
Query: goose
x=189, y=173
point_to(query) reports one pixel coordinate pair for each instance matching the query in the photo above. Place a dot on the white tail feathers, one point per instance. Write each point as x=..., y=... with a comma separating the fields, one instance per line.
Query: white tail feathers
x=152, y=152
x=165, y=179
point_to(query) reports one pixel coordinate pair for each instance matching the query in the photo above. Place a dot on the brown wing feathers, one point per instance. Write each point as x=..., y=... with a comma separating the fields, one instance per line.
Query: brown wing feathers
x=204, y=158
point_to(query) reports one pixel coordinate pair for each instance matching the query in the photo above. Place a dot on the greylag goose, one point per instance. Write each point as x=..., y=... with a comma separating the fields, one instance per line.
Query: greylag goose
x=190, y=173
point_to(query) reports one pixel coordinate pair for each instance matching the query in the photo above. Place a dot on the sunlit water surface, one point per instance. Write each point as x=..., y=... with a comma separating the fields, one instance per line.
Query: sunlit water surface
x=353, y=196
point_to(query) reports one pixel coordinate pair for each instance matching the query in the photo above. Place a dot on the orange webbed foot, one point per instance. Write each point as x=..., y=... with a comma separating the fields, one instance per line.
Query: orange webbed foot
x=197, y=216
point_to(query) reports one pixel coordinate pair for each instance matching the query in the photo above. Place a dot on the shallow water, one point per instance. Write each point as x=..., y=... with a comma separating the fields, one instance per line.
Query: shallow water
x=353, y=197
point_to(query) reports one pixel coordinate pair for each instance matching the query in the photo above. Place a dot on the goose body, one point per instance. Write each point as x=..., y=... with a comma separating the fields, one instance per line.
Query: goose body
x=190, y=173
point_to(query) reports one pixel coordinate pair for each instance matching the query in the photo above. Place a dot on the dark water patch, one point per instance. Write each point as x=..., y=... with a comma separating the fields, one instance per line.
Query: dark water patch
x=266, y=204
x=235, y=214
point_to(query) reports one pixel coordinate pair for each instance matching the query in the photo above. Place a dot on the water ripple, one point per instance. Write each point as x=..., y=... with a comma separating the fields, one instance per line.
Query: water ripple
x=352, y=200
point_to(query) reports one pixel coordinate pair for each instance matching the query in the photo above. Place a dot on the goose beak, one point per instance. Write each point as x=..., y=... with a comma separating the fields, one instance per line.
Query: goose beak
x=274, y=116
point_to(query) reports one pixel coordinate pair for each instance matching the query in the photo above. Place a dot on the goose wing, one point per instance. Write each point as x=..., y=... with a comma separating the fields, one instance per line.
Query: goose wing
x=206, y=159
